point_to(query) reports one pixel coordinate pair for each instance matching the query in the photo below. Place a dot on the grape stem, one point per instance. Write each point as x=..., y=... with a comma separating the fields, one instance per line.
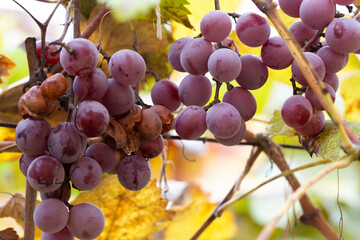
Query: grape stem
x=8, y=125
x=216, y=97
x=217, y=4
x=313, y=39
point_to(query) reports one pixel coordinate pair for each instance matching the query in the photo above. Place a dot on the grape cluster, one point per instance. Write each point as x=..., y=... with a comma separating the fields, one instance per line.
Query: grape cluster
x=217, y=54
x=126, y=137
x=342, y=37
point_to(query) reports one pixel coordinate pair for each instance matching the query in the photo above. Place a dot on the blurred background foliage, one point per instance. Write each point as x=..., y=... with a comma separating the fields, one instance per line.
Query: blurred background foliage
x=199, y=174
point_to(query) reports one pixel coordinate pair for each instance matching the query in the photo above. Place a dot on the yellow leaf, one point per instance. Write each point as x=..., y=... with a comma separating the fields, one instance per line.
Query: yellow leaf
x=128, y=214
x=14, y=207
x=5, y=65
x=282, y=75
x=7, y=135
x=243, y=49
x=350, y=88
x=190, y=219
x=357, y=2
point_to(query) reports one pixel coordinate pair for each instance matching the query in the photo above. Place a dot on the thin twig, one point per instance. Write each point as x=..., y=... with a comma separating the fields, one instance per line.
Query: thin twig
x=216, y=97
x=77, y=30
x=217, y=4
x=313, y=39
x=30, y=203
x=94, y=23
x=66, y=24
x=36, y=21
x=8, y=125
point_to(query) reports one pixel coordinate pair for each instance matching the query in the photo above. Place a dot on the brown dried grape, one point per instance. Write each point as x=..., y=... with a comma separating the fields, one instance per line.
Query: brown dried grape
x=55, y=86
x=150, y=125
x=35, y=100
x=166, y=117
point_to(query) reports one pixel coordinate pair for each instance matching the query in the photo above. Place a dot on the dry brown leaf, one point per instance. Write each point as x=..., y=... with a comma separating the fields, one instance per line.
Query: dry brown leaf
x=8, y=234
x=14, y=207
x=5, y=65
x=128, y=214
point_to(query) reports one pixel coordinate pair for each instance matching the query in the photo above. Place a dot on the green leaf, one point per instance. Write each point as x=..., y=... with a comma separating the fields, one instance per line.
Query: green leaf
x=327, y=144
x=175, y=10
x=277, y=126
x=86, y=6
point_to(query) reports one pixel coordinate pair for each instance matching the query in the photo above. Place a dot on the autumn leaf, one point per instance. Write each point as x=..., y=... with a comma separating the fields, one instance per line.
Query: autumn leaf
x=278, y=127
x=14, y=207
x=8, y=234
x=128, y=214
x=7, y=135
x=190, y=218
x=5, y=65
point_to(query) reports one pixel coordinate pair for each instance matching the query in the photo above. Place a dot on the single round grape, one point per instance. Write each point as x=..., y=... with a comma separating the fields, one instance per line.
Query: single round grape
x=45, y=174
x=85, y=174
x=90, y=118
x=62, y=193
x=25, y=161
x=127, y=67
x=343, y=35
x=194, y=56
x=152, y=148
x=252, y=29
x=31, y=135
x=316, y=63
x=291, y=8
x=302, y=33
x=54, y=86
x=83, y=59
x=62, y=235
x=86, y=221
x=167, y=119
x=35, y=100
x=103, y=154
x=275, y=54
x=332, y=80
x=224, y=65
x=190, y=123
x=333, y=61
x=165, y=93
x=91, y=87
x=150, y=125
x=50, y=59
x=254, y=73
x=195, y=90
x=315, y=125
x=119, y=98
x=134, y=172
x=239, y=136
x=310, y=95
x=215, y=26
x=51, y=215
x=297, y=111
x=175, y=51
x=317, y=14
x=344, y=2
x=243, y=101
x=64, y=143
x=223, y=120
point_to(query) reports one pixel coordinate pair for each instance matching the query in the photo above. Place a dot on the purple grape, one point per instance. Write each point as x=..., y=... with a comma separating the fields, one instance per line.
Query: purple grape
x=31, y=135
x=90, y=118
x=194, y=56
x=224, y=65
x=62, y=193
x=45, y=174
x=317, y=14
x=92, y=86
x=85, y=174
x=65, y=143
x=62, y=235
x=195, y=90
x=215, y=26
x=242, y=100
x=343, y=35
x=344, y=2
x=254, y=73
x=315, y=125
x=165, y=93
x=134, y=172
x=302, y=33
x=252, y=29
x=316, y=63
x=332, y=80
x=83, y=60
x=50, y=59
x=51, y=215
x=310, y=95
x=86, y=221
x=223, y=120
x=118, y=98
x=103, y=154
x=174, y=53
x=275, y=54
x=152, y=148
x=297, y=111
x=190, y=123
x=127, y=67
x=25, y=161
x=239, y=136
x=291, y=8
x=333, y=61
